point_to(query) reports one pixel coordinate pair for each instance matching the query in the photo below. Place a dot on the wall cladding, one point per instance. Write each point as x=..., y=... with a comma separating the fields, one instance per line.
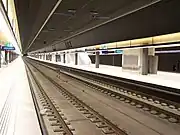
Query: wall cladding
x=131, y=60
x=115, y=60
x=169, y=62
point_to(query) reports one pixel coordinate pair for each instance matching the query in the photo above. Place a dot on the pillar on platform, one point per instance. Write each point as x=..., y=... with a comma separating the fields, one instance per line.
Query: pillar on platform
x=141, y=60
x=145, y=66
x=76, y=58
x=153, y=61
x=53, y=57
x=6, y=57
x=64, y=58
x=97, y=59
x=46, y=56
x=50, y=57
x=10, y=57
x=56, y=57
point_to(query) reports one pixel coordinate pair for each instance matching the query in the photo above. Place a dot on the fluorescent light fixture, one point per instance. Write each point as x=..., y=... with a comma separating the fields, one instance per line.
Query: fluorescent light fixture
x=45, y=31
x=169, y=51
x=72, y=10
x=67, y=30
x=51, y=29
x=94, y=13
x=102, y=17
x=64, y=14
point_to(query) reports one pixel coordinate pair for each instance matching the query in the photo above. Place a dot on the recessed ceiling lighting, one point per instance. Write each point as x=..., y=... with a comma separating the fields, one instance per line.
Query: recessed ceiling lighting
x=45, y=31
x=67, y=30
x=94, y=12
x=103, y=17
x=64, y=14
x=51, y=29
x=72, y=10
x=44, y=42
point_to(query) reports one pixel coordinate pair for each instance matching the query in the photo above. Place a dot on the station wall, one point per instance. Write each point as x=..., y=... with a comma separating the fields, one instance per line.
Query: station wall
x=83, y=58
x=168, y=62
x=115, y=60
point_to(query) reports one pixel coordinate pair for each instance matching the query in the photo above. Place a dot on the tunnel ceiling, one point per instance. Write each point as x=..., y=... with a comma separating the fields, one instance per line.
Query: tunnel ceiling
x=77, y=23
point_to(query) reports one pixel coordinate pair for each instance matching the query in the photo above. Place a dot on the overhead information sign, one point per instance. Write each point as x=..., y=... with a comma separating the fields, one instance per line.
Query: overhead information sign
x=118, y=51
x=8, y=48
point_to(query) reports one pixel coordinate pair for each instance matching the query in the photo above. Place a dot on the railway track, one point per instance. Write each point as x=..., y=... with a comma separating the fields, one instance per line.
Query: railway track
x=164, y=108
x=153, y=90
x=106, y=126
x=49, y=108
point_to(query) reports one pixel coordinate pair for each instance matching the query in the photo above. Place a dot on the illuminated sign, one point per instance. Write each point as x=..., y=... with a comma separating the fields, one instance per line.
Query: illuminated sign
x=118, y=51
x=7, y=48
x=105, y=52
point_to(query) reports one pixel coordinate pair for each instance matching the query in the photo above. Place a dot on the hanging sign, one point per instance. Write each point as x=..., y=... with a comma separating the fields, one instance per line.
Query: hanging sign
x=118, y=51
x=8, y=48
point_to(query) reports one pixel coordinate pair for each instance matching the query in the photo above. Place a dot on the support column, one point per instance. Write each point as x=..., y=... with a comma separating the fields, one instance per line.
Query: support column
x=64, y=58
x=49, y=57
x=153, y=64
x=12, y=56
x=9, y=56
x=144, y=61
x=97, y=59
x=113, y=63
x=6, y=56
x=56, y=58
x=153, y=61
x=76, y=58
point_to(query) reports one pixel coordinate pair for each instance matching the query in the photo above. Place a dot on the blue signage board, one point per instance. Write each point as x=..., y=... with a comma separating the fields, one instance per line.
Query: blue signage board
x=8, y=48
x=118, y=51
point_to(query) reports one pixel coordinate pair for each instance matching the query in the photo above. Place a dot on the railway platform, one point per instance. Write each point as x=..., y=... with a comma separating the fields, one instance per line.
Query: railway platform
x=166, y=79
x=17, y=111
